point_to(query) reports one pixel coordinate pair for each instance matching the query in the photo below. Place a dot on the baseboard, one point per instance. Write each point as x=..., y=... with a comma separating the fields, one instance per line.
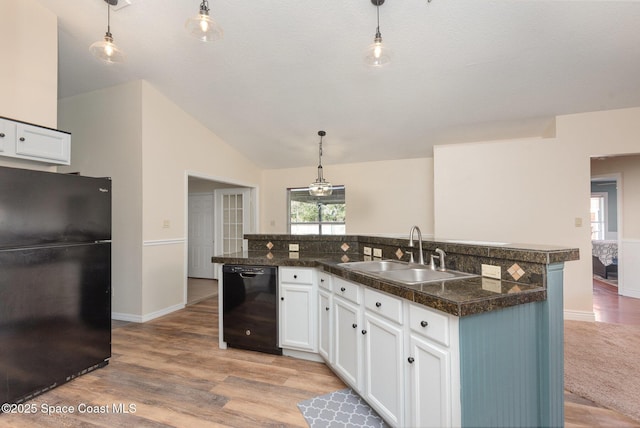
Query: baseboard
x=629, y=293
x=579, y=315
x=309, y=356
x=148, y=317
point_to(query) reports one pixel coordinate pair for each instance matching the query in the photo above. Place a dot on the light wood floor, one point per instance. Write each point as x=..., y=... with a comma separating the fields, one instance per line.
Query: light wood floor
x=172, y=371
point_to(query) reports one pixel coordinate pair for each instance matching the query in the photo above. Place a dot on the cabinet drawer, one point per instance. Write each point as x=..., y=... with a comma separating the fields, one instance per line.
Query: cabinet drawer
x=296, y=276
x=324, y=280
x=346, y=289
x=429, y=323
x=383, y=304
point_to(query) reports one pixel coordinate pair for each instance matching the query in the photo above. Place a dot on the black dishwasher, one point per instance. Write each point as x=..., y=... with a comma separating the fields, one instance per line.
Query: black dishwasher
x=250, y=307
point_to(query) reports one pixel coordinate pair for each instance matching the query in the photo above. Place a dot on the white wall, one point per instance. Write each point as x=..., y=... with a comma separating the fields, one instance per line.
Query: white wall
x=106, y=128
x=28, y=68
x=384, y=198
x=173, y=144
x=533, y=190
x=29, y=62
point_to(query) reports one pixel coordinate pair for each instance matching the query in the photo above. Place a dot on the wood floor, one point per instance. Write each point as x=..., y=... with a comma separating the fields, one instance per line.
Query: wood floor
x=172, y=372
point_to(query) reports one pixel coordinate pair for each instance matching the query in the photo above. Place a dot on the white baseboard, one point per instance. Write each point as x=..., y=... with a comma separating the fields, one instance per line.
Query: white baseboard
x=148, y=317
x=629, y=293
x=303, y=355
x=579, y=315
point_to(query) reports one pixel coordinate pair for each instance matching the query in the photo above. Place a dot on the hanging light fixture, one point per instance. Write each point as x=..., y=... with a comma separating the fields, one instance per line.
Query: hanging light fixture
x=377, y=55
x=202, y=27
x=320, y=187
x=105, y=50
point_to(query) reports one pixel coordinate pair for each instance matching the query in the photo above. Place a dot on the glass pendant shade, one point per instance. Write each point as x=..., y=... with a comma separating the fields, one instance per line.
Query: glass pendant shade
x=203, y=27
x=377, y=55
x=320, y=187
x=107, y=51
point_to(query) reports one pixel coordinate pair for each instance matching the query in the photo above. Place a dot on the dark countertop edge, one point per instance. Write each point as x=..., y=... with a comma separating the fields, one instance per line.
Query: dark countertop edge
x=459, y=309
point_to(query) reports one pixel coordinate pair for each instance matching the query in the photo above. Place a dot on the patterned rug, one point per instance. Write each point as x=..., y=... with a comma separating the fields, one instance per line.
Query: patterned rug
x=342, y=408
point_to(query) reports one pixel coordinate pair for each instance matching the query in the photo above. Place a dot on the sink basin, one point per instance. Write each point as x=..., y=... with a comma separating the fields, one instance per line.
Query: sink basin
x=419, y=275
x=375, y=265
x=406, y=273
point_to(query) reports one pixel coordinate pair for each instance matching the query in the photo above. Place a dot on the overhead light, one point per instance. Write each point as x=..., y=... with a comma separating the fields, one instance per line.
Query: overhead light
x=320, y=187
x=105, y=50
x=377, y=55
x=202, y=27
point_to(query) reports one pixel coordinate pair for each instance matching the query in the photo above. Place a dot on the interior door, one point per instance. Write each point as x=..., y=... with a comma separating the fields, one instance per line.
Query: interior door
x=234, y=209
x=201, y=238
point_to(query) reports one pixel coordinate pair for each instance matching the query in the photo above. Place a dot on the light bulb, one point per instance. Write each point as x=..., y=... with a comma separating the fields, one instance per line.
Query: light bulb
x=108, y=49
x=204, y=25
x=377, y=50
x=377, y=55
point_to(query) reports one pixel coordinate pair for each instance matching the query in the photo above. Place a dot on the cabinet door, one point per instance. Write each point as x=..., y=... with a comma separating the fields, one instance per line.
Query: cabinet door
x=43, y=144
x=325, y=326
x=384, y=374
x=7, y=136
x=348, y=342
x=297, y=317
x=430, y=376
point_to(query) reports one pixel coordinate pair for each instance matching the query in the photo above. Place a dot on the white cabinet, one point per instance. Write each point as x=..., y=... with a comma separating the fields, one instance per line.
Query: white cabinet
x=325, y=325
x=383, y=367
x=433, y=370
x=348, y=341
x=297, y=315
x=31, y=142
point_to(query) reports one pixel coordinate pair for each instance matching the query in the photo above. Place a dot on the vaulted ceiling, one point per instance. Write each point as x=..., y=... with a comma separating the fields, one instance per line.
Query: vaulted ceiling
x=462, y=70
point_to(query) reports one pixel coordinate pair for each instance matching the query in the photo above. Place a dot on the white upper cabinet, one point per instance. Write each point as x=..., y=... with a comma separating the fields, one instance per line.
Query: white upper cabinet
x=31, y=142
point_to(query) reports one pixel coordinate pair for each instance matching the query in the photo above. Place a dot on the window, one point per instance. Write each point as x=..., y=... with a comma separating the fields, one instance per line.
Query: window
x=598, y=215
x=312, y=215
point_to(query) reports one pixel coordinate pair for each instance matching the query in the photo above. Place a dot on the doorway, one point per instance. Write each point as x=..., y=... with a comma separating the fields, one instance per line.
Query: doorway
x=218, y=214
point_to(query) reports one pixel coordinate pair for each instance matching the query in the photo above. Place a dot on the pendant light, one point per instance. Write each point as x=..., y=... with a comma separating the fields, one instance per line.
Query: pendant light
x=320, y=187
x=105, y=50
x=202, y=27
x=377, y=55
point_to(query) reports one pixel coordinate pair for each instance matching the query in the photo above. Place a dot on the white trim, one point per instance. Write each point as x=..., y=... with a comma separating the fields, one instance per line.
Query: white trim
x=148, y=317
x=579, y=315
x=628, y=253
x=172, y=241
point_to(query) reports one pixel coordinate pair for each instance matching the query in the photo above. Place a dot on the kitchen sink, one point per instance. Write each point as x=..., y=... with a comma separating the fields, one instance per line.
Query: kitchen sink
x=375, y=265
x=407, y=273
x=419, y=275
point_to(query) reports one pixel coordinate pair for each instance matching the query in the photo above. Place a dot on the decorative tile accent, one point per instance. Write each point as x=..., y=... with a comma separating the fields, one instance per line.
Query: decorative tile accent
x=342, y=408
x=344, y=258
x=344, y=247
x=399, y=253
x=515, y=271
x=269, y=255
x=269, y=245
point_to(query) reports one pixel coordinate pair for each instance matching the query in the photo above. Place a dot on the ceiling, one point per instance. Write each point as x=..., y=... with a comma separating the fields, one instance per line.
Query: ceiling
x=462, y=70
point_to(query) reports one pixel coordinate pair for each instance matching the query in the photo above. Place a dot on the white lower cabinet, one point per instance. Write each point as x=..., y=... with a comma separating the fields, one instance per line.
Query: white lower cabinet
x=429, y=376
x=325, y=325
x=384, y=371
x=401, y=357
x=297, y=311
x=348, y=342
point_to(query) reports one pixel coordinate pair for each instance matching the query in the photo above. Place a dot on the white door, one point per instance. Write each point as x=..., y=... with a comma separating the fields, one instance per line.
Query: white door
x=233, y=219
x=201, y=239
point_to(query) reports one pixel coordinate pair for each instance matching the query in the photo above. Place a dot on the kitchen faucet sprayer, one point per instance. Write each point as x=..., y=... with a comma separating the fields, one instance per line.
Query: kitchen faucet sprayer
x=421, y=257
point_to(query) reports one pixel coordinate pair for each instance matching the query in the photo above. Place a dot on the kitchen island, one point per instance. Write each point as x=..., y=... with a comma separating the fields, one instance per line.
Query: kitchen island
x=469, y=352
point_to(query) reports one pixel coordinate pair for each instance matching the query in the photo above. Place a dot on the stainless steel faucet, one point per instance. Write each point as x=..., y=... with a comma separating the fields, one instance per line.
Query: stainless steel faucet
x=421, y=257
x=441, y=255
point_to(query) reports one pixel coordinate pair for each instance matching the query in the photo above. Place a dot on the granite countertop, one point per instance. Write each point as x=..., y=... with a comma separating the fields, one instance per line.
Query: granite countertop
x=459, y=297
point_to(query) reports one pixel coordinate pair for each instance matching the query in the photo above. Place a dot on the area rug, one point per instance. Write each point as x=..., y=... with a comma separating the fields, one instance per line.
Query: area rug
x=340, y=409
x=602, y=364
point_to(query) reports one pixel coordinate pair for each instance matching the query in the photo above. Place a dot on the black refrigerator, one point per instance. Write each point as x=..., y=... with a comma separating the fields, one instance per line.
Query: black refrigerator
x=55, y=279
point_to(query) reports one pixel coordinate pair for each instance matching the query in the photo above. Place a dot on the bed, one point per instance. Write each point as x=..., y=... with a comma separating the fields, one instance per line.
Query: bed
x=605, y=258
